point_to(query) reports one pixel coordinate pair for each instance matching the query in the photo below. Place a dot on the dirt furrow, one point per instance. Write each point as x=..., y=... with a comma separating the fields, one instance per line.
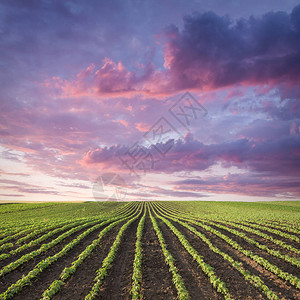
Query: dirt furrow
x=81, y=282
x=156, y=278
x=117, y=284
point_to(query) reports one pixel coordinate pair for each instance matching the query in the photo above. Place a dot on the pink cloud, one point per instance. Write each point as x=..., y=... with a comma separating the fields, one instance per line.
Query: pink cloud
x=279, y=156
x=270, y=168
x=211, y=52
x=12, y=173
x=110, y=78
x=142, y=127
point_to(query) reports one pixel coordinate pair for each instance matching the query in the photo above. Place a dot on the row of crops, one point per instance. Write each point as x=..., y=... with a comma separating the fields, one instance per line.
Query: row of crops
x=91, y=250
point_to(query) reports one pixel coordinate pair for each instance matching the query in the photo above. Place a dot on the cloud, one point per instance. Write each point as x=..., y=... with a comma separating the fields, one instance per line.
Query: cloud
x=268, y=157
x=288, y=109
x=243, y=184
x=177, y=193
x=214, y=51
x=110, y=78
x=11, y=195
x=268, y=167
x=210, y=52
x=114, y=78
x=13, y=174
x=76, y=185
x=142, y=191
x=23, y=187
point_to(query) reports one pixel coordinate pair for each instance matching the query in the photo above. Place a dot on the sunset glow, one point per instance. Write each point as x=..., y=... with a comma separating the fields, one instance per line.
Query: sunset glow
x=83, y=83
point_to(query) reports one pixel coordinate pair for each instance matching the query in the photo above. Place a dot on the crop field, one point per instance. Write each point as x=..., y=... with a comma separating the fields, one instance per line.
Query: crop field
x=150, y=250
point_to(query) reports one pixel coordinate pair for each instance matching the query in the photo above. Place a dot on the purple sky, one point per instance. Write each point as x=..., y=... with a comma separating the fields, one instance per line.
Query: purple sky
x=85, y=83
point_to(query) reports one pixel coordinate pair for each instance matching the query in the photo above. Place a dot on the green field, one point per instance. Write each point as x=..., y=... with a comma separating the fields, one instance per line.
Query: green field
x=150, y=250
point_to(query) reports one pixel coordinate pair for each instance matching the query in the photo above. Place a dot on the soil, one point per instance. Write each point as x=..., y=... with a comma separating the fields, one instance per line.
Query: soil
x=117, y=284
x=81, y=282
x=156, y=278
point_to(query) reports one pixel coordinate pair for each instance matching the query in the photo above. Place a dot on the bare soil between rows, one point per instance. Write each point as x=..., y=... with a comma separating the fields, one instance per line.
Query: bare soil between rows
x=156, y=278
x=117, y=284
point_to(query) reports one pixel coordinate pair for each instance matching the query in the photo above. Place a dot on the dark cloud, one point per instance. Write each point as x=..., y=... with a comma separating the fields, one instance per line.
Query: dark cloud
x=267, y=156
x=245, y=184
x=288, y=110
x=210, y=52
x=269, y=167
x=147, y=191
x=177, y=193
x=215, y=51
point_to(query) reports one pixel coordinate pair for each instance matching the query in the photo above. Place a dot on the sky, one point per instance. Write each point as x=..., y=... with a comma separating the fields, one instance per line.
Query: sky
x=149, y=100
